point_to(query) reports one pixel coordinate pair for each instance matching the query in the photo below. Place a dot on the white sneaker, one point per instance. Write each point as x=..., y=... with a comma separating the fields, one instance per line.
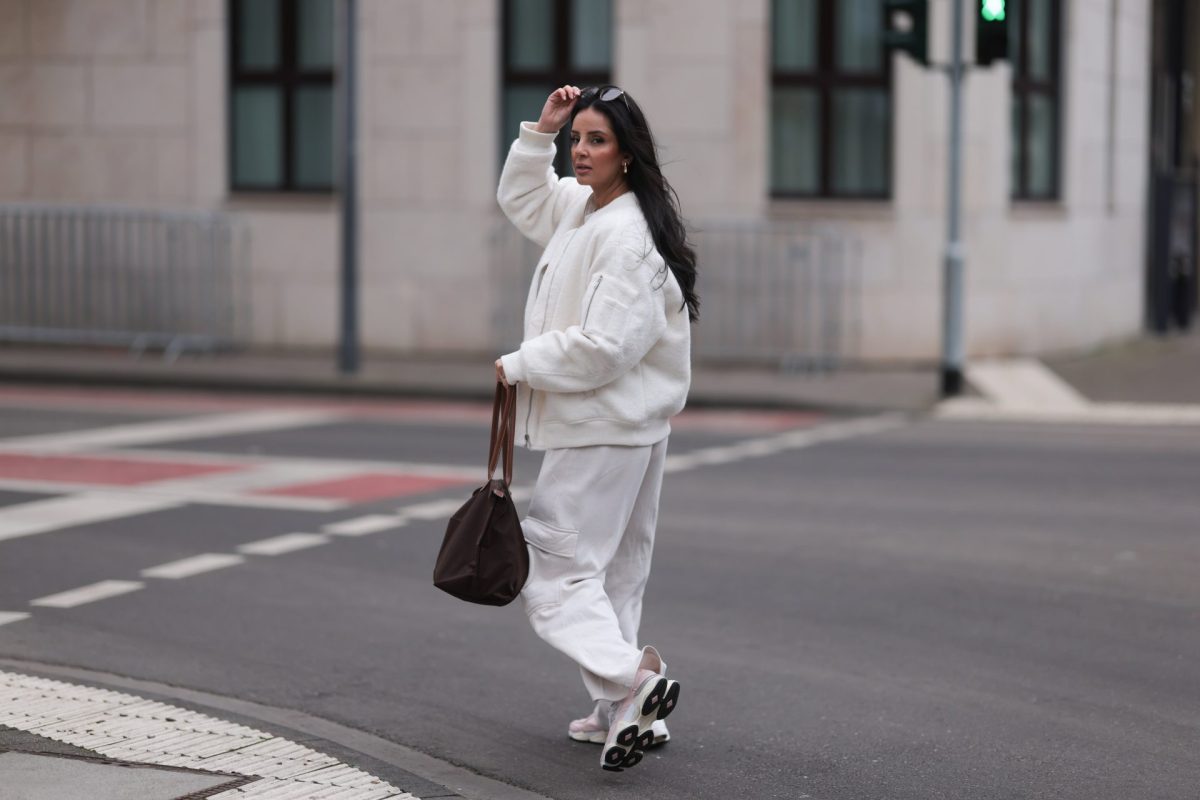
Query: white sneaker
x=661, y=734
x=594, y=727
x=652, y=698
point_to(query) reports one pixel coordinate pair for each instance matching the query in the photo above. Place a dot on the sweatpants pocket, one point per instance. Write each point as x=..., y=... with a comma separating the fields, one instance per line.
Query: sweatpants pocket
x=551, y=559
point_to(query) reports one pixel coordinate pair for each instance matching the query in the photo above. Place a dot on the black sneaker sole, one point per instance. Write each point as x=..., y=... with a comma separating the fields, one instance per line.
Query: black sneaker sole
x=630, y=744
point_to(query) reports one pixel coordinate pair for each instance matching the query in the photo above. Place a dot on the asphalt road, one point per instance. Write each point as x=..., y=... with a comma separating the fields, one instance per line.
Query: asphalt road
x=939, y=610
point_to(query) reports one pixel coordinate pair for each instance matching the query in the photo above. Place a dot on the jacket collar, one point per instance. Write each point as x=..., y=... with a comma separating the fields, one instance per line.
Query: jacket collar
x=627, y=200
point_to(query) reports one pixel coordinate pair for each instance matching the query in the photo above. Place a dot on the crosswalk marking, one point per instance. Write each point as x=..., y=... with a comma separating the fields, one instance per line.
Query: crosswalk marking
x=179, y=497
x=195, y=565
x=434, y=509
x=287, y=543
x=40, y=516
x=87, y=594
x=12, y=616
x=361, y=526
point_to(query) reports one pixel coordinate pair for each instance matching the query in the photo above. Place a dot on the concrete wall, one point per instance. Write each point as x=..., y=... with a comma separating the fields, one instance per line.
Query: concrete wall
x=124, y=101
x=95, y=101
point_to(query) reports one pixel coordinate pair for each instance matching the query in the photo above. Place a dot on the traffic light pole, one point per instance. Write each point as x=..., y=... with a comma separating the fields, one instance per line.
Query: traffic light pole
x=348, y=344
x=952, y=287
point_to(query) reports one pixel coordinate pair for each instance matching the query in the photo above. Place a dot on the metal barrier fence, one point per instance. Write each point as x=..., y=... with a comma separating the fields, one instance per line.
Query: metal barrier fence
x=771, y=293
x=116, y=277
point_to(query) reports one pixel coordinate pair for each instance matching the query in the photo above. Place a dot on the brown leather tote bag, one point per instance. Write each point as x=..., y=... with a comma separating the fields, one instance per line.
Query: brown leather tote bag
x=483, y=557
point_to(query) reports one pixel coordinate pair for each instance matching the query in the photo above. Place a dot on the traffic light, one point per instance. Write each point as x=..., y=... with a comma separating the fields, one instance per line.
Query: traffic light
x=906, y=27
x=991, y=31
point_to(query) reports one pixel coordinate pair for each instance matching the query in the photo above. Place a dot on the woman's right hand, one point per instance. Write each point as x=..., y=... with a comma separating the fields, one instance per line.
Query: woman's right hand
x=557, y=110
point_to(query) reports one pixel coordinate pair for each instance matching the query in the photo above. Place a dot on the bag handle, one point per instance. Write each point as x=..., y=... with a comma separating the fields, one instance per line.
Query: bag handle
x=504, y=423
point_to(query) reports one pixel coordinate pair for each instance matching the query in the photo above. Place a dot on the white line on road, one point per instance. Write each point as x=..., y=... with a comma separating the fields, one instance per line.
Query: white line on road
x=361, y=526
x=348, y=465
x=789, y=440
x=87, y=594
x=12, y=616
x=179, y=496
x=142, y=433
x=195, y=565
x=287, y=543
x=433, y=509
x=40, y=516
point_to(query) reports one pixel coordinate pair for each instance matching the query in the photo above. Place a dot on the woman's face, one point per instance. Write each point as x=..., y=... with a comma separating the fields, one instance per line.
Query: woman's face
x=594, y=153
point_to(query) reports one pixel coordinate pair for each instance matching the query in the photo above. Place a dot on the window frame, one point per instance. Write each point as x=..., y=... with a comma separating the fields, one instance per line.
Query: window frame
x=288, y=76
x=559, y=73
x=1023, y=88
x=826, y=79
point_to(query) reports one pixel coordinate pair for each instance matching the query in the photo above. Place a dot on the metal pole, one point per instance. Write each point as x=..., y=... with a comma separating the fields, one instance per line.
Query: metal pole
x=952, y=287
x=348, y=347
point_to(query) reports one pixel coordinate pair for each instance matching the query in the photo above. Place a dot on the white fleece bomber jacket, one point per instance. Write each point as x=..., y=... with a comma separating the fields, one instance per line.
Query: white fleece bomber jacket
x=606, y=357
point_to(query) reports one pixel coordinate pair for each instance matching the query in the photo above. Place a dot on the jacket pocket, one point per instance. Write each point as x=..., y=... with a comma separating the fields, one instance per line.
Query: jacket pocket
x=606, y=308
x=551, y=562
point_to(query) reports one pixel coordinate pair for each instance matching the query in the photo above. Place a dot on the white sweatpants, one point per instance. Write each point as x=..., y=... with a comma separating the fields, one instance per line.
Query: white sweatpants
x=590, y=531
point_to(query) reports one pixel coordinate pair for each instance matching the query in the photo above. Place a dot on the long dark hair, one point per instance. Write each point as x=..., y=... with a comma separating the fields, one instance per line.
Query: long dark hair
x=659, y=202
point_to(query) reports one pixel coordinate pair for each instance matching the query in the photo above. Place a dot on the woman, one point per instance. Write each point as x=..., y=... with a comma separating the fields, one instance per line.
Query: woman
x=604, y=366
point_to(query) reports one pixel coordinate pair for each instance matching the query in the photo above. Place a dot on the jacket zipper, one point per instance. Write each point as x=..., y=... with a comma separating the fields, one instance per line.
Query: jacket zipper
x=545, y=319
x=587, y=311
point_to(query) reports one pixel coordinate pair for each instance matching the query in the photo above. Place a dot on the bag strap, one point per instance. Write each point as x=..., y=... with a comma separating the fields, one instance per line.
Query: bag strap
x=504, y=423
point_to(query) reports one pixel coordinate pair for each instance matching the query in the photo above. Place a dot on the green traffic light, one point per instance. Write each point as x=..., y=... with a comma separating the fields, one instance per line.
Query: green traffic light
x=992, y=10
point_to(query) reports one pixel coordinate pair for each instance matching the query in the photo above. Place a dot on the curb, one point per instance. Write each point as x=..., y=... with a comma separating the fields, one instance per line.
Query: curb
x=379, y=388
x=422, y=775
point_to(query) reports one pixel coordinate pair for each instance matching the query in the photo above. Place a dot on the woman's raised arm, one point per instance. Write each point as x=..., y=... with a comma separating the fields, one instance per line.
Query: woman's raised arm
x=531, y=194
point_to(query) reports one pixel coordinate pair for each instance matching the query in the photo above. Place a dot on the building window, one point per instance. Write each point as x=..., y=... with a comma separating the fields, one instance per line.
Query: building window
x=1034, y=47
x=548, y=43
x=281, y=95
x=830, y=100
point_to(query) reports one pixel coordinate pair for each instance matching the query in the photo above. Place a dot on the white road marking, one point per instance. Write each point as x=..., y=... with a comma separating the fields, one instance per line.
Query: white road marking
x=254, y=478
x=12, y=616
x=361, y=526
x=177, y=498
x=142, y=433
x=195, y=565
x=438, y=510
x=40, y=516
x=789, y=440
x=299, y=462
x=87, y=594
x=287, y=543
x=433, y=509
x=126, y=727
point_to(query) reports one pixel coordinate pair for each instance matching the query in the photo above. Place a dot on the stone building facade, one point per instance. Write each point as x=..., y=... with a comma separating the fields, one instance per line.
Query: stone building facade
x=128, y=102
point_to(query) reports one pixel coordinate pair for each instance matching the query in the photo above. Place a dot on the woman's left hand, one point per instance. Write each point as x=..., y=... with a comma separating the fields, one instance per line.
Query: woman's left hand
x=500, y=372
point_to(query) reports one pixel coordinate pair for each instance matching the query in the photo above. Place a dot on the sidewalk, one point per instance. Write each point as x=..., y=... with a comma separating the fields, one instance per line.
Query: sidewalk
x=1143, y=370
x=896, y=389
x=72, y=734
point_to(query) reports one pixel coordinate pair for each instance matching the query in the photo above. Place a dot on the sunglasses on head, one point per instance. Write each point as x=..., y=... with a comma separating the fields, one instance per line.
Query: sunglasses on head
x=607, y=94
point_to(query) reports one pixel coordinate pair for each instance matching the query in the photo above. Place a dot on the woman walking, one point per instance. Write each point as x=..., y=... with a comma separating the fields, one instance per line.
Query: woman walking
x=604, y=365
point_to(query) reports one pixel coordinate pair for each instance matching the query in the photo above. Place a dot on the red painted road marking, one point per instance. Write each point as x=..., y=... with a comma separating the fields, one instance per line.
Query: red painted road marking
x=101, y=471
x=366, y=486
